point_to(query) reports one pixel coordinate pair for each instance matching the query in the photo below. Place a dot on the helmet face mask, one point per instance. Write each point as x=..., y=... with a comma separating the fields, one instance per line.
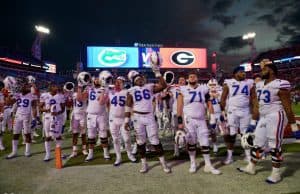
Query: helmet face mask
x=105, y=78
x=247, y=140
x=180, y=138
x=84, y=78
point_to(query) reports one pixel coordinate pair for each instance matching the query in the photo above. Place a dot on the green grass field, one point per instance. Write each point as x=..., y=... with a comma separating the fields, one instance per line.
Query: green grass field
x=296, y=109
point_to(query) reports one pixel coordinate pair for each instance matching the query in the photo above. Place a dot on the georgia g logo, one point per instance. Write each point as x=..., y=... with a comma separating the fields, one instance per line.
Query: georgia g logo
x=182, y=58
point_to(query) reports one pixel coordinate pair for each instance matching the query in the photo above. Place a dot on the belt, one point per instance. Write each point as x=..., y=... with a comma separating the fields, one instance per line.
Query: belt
x=142, y=113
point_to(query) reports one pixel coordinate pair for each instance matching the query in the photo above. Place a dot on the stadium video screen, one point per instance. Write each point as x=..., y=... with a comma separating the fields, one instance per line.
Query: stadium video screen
x=112, y=57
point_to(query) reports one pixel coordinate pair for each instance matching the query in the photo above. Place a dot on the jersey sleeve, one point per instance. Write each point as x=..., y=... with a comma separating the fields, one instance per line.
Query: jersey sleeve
x=284, y=84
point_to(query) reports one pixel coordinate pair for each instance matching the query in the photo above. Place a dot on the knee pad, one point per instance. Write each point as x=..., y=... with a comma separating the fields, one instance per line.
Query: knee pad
x=104, y=141
x=276, y=155
x=48, y=139
x=205, y=149
x=91, y=141
x=231, y=139
x=159, y=149
x=16, y=136
x=28, y=138
x=256, y=153
x=142, y=150
x=191, y=147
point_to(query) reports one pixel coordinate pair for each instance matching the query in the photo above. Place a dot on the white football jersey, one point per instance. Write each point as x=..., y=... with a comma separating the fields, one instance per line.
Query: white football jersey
x=94, y=106
x=215, y=96
x=117, y=102
x=24, y=103
x=142, y=98
x=52, y=101
x=269, y=101
x=239, y=93
x=194, y=101
x=175, y=91
x=78, y=106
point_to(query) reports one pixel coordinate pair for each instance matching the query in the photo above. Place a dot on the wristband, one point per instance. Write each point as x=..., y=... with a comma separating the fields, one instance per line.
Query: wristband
x=127, y=119
x=180, y=121
x=253, y=122
x=128, y=109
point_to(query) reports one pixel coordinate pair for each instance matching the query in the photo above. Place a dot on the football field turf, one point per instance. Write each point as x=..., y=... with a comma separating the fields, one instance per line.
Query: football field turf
x=32, y=175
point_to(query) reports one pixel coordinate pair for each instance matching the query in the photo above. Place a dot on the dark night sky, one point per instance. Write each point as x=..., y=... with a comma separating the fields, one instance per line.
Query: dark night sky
x=214, y=24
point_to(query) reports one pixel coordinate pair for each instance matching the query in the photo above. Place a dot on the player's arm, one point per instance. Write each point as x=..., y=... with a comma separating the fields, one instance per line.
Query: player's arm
x=224, y=97
x=103, y=98
x=82, y=95
x=128, y=110
x=254, y=104
x=160, y=86
x=285, y=98
x=180, y=110
x=34, y=104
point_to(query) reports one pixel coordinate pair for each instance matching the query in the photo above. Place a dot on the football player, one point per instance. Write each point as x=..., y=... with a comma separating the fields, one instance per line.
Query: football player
x=173, y=92
x=78, y=121
x=191, y=104
x=139, y=103
x=96, y=116
x=275, y=113
x=240, y=93
x=1, y=115
x=53, y=105
x=116, y=104
x=26, y=105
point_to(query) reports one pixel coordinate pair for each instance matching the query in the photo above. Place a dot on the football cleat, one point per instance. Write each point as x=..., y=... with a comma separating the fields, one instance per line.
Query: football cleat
x=211, y=169
x=85, y=152
x=132, y=158
x=228, y=161
x=90, y=157
x=27, y=154
x=118, y=162
x=193, y=168
x=47, y=158
x=249, y=169
x=11, y=155
x=73, y=155
x=274, y=178
x=144, y=168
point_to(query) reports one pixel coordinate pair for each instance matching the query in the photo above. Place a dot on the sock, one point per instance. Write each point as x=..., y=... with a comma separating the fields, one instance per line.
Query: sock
x=162, y=160
x=48, y=147
x=229, y=153
x=207, y=159
x=192, y=155
x=15, y=146
x=144, y=161
x=27, y=148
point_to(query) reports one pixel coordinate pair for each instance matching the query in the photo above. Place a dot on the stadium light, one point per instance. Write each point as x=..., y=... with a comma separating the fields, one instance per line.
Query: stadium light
x=42, y=29
x=249, y=35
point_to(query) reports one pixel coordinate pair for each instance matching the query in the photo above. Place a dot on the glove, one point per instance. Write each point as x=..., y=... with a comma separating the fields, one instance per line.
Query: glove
x=212, y=121
x=223, y=117
x=251, y=127
x=295, y=130
x=33, y=124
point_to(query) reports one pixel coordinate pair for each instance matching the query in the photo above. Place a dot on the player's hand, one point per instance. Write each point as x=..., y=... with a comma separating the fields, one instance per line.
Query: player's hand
x=295, y=130
x=127, y=127
x=33, y=123
x=223, y=117
x=251, y=126
x=180, y=127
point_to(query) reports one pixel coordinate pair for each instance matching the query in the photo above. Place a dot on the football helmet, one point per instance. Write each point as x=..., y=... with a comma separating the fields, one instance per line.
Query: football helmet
x=247, y=140
x=105, y=78
x=169, y=77
x=69, y=86
x=30, y=79
x=132, y=74
x=10, y=82
x=84, y=78
x=180, y=138
x=121, y=78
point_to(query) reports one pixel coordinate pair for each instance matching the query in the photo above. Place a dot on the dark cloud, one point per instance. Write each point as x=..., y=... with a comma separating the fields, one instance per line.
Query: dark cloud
x=232, y=43
x=222, y=6
x=250, y=12
x=294, y=40
x=225, y=20
x=269, y=19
